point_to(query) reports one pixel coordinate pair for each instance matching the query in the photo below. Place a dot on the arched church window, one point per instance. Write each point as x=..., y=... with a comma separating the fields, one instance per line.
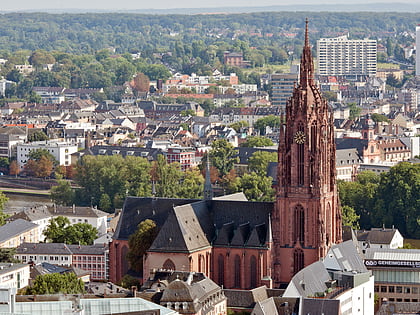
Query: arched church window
x=253, y=272
x=169, y=265
x=237, y=272
x=301, y=155
x=298, y=260
x=221, y=268
x=299, y=224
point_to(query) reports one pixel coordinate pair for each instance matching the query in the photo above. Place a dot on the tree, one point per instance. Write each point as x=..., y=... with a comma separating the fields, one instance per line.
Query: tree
x=257, y=141
x=167, y=177
x=379, y=118
x=237, y=126
x=140, y=242
x=223, y=156
x=7, y=255
x=259, y=160
x=38, y=135
x=14, y=168
x=397, y=201
x=192, y=185
x=105, y=203
x=141, y=83
x=41, y=168
x=360, y=195
x=268, y=121
x=59, y=230
x=349, y=217
x=62, y=194
x=54, y=283
x=257, y=187
x=354, y=111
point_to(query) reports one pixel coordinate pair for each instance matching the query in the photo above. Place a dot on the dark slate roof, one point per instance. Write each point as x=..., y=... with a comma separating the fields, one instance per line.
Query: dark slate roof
x=376, y=236
x=321, y=306
x=43, y=248
x=77, y=212
x=277, y=306
x=311, y=279
x=181, y=232
x=348, y=157
x=347, y=257
x=32, y=214
x=245, y=298
x=350, y=143
x=217, y=219
x=95, y=249
x=9, y=267
x=244, y=153
x=15, y=228
x=137, y=209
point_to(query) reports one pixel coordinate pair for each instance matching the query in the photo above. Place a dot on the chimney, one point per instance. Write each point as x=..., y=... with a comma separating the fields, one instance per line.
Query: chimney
x=74, y=208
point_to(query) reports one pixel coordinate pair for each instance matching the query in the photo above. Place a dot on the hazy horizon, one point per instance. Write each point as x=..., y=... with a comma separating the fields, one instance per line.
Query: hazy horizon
x=122, y=5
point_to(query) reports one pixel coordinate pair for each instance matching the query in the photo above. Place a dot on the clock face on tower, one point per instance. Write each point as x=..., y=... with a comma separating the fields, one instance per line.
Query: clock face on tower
x=299, y=137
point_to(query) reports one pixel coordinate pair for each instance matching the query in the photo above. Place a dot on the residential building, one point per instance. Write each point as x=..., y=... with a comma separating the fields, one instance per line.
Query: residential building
x=36, y=214
x=14, y=233
x=10, y=137
x=347, y=164
x=341, y=56
x=4, y=85
x=282, y=86
x=90, y=215
x=185, y=292
x=183, y=155
x=234, y=59
x=91, y=258
x=14, y=275
x=61, y=151
x=379, y=238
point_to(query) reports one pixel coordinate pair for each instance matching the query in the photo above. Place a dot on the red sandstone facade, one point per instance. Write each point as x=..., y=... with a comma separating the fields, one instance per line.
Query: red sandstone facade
x=306, y=218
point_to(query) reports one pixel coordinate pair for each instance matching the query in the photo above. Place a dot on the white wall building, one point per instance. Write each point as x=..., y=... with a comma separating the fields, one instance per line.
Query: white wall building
x=380, y=238
x=14, y=275
x=342, y=276
x=342, y=56
x=60, y=150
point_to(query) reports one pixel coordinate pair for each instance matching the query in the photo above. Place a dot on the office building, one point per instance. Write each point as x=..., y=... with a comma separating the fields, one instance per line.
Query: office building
x=341, y=56
x=282, y=85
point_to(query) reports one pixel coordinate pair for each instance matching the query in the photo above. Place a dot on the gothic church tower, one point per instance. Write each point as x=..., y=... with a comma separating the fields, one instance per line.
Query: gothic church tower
x=306, y=219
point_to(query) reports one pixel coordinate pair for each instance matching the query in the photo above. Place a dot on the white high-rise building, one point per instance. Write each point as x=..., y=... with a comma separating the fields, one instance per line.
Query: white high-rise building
x=341, y=56
x=418, y=50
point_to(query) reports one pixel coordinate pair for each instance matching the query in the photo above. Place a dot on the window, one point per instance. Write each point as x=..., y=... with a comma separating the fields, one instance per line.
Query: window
x=399, y=289
x=237, y=272
x=221, y=268
x=391, y=289
x=253, y=272
x=298, y=260
x=299, y=224
x=383, y=289
x=169, y=265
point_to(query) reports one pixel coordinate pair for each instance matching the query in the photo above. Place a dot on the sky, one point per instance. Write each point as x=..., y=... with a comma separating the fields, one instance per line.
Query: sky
x=19, y=5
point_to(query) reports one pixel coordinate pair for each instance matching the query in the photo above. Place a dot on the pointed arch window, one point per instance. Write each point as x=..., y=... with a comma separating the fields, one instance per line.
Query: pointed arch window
x=169, y=265
x=221, y=269
x=301, y=158
x=253, y=272
x=237, y=272
x=298, y=260
x=299, y=224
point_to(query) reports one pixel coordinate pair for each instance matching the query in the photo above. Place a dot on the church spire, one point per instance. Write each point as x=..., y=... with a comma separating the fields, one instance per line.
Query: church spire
x=208, y=190
x=306, y=62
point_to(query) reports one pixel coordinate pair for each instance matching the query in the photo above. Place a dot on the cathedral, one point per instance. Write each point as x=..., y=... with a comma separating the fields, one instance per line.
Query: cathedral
x=241, y=244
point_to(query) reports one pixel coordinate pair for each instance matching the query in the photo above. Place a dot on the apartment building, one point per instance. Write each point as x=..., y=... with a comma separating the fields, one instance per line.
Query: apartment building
x=282, y=88
x=341, y=56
